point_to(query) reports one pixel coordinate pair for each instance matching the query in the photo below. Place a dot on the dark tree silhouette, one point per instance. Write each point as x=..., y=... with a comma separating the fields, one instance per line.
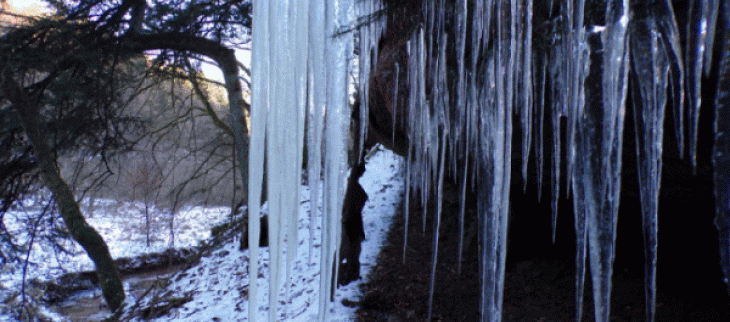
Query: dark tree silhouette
x=76, y=55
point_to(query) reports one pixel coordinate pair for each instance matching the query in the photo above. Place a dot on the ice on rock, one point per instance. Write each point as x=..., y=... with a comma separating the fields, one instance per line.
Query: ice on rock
x=572, y=81
x=369, y=32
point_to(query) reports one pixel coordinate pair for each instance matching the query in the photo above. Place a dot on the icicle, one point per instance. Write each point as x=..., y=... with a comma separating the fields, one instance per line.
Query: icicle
x=481, y=18
x=278, y=114
x=338, y=15
x=413, y=94
x=581, y=241
x=421, y=130
x=648, y=118
x=599, y=143
x=495, y=161
x=407, y=203
x=300, y=19
x=394, y=108
x=667, y=27
x=279, y=98
x=574, y=67
x=539, y=121
x=713, y=7
x=569, y=45
x=370, y=34
x=440, y=103
x=318, y=97
x=556, y=99
x=462, y=212
x=425, y=191
x=493, y=199
x=461, y=82
x=580, y=53
x=697, y=28
x=443, y=100
x=467, y=100
x=721, y=152
x=507, y=53
x=524, y=85
x=652, y=58
x=437, y=223
x=259, y=110
x=364, y=9
x=284, y=136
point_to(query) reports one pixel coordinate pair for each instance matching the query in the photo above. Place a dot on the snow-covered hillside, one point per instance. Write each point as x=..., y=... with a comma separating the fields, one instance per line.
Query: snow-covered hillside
x=218, y=284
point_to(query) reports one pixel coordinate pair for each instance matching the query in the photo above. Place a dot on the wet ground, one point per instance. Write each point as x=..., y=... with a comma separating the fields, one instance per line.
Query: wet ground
x=89, y=306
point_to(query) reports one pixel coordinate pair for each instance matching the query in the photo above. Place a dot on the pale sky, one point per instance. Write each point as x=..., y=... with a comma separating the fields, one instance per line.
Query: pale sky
x=36, y=7
x=213, y=72
x=25, y=7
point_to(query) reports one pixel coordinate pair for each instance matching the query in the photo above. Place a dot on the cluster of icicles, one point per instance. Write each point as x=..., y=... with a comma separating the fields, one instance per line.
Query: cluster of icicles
x=463, y=119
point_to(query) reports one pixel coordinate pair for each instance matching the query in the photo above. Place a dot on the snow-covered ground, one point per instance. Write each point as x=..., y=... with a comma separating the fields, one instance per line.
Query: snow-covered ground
x=122, y=225
x=219, y=283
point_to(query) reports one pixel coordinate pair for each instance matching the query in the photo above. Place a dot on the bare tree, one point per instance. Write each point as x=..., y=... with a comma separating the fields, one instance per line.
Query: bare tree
x=77, y=55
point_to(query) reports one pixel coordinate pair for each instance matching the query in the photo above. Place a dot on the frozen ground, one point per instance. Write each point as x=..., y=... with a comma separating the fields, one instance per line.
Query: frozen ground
x=219, y=284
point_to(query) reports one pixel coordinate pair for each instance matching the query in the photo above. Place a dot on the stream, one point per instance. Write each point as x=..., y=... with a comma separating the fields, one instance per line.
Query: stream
x=89, y=306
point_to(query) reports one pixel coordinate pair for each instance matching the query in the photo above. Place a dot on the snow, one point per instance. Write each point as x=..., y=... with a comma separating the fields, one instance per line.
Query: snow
x=191, y=225
x=219, y=283
x=587, y=63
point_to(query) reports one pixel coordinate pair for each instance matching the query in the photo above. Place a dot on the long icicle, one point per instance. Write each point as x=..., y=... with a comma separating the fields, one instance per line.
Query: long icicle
x=495, y=161
x=493, y=196
x=601, y=133
x=412, y=48
x=579, y=53
x=298, y=63
x=339, y=15
x=259, y=110
x=437, y=225
x=523, y=81
x=699, y=12
x=648, y=119
x=581, y=242
x=318, y=98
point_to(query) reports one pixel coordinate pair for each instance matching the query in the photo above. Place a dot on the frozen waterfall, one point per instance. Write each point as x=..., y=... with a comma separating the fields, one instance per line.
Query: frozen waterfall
x=469, y=73
x=300, y=77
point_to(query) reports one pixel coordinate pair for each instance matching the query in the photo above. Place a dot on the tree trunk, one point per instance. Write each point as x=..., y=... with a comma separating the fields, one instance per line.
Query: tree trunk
x=109, y=278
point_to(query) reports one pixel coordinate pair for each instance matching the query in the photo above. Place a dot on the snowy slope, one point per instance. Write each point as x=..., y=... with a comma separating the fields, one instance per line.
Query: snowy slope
x=218, y=284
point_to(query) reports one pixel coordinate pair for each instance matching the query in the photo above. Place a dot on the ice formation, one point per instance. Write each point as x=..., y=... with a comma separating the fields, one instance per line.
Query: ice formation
x=300, y=71
x=462, y=120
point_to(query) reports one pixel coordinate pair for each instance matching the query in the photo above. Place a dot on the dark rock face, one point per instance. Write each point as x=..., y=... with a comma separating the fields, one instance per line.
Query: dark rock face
x=387, y=121
x=263, y=233
x=540, y=274
x=352, y=228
